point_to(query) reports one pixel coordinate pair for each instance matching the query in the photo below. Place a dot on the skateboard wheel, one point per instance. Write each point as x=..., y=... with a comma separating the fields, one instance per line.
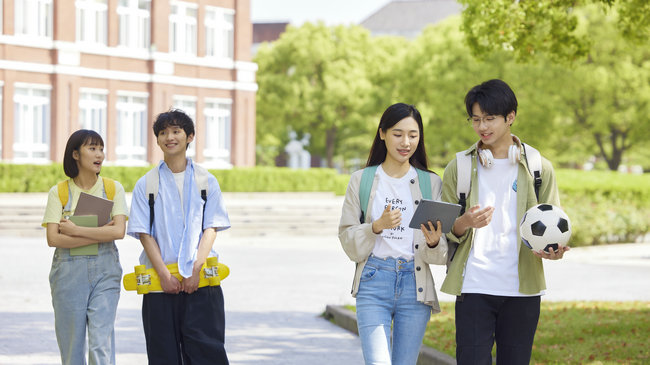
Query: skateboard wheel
x=142, y=280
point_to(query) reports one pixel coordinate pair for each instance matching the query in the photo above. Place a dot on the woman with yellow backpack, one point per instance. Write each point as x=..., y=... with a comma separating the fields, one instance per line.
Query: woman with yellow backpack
x=86, y=272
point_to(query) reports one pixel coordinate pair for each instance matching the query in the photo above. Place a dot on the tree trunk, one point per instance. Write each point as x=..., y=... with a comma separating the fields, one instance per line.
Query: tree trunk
x=614, y=160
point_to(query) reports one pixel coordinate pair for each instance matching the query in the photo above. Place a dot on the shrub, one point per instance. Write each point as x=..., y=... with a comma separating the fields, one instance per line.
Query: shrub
x=604, y=206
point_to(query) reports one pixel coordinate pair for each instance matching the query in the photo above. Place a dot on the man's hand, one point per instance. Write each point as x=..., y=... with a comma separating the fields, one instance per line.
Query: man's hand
x=474, y=217
x=390, y=218
x=189, y=285
x=552, y=255
x=169, y=283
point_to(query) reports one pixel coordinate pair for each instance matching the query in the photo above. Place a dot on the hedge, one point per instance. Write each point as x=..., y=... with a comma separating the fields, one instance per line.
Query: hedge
x=604, y=206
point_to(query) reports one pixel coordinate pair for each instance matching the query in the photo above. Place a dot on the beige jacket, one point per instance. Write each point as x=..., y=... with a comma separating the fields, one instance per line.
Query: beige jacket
x=358, y=240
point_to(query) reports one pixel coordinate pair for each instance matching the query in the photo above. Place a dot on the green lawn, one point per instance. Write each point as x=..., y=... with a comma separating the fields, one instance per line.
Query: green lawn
x=571, y=333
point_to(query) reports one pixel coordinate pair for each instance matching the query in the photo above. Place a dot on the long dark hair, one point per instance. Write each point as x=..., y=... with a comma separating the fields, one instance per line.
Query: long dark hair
x=75, y=141
x=393, y=115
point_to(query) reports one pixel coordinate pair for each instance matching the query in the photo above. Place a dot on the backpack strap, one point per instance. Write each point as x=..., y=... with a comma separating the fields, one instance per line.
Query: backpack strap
x=463, y=177
x=152, y=180
x=534, y=160
x=201, y=181
x=425, y=183
x=63, y=188
x=109, y=188
x=367, y=178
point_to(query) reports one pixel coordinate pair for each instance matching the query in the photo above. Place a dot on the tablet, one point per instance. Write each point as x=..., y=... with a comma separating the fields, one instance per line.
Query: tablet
x=431, y=210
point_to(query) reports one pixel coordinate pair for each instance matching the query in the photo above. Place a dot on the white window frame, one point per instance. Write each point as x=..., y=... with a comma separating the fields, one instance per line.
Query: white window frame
x=92, y=21
x=33, y=18
x=217, y=134
x=32, y=118
x=183, y=28
x=131, y=146
x=187, y=104
x=93, y=110
x=134, y=24
x=219, y=33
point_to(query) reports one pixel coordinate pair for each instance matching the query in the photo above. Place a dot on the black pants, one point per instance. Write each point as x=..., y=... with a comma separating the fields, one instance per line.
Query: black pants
x=481, y=319
x=185, y=329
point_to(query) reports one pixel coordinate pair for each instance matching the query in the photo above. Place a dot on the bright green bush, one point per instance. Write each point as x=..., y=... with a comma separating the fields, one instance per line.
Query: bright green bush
x=604, y=206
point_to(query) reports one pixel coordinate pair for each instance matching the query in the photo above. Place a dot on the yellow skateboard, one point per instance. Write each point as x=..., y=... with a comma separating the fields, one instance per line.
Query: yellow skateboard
x=146, y=280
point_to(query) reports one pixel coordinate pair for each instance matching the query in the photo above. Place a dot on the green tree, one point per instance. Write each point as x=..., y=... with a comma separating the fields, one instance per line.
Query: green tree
x=314, y=80
x=608, y=95
x=531, y=28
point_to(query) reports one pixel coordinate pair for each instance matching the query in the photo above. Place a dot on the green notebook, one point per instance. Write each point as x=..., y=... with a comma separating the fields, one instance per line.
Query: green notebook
x=85, y=221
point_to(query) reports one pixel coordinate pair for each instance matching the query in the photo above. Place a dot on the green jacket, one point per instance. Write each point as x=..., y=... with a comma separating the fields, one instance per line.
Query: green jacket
x=531, y=269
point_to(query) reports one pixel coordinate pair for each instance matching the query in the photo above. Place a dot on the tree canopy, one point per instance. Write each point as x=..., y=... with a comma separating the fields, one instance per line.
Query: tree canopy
x=530, y=28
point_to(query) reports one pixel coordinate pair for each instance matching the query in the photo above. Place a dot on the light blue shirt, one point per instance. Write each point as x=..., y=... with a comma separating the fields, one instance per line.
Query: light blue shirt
x=177, y=234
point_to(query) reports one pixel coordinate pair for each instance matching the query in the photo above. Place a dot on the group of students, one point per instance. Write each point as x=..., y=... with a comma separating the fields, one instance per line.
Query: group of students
x=185, y=324
x=497, y=280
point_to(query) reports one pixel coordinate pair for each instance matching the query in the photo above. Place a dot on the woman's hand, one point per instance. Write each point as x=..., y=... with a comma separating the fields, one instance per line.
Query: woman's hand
x=67, y=227
x=390, y=218
x=432, y=234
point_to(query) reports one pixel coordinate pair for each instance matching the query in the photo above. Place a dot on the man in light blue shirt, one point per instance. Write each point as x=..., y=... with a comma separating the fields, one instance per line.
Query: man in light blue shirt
x=185, y=324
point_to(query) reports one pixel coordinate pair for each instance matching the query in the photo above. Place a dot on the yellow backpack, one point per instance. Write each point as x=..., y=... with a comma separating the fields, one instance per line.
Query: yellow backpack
x=64, y=192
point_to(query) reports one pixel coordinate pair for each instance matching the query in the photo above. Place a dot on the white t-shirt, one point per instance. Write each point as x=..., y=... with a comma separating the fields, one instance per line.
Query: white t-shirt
x=396, y=242
x=492, y=266
x=179, y=178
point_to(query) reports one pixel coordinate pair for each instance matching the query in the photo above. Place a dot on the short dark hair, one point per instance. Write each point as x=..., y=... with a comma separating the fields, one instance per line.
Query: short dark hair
x=77, y=139
x=494, y=97
x=393, y=115
x=173, y=117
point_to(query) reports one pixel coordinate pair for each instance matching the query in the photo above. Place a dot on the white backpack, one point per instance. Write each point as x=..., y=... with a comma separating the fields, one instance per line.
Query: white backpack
x=464, y=179
x=152, y=179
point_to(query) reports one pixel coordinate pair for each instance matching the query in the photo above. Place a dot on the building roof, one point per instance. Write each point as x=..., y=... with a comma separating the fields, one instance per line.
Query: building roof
x=407, y=18
x=268, y=32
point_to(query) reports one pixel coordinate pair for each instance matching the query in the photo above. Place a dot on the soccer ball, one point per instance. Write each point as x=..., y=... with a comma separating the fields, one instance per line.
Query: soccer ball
x=545, y=226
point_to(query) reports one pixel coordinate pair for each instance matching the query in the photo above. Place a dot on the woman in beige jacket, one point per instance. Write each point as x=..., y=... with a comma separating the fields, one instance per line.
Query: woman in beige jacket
x=393, y=285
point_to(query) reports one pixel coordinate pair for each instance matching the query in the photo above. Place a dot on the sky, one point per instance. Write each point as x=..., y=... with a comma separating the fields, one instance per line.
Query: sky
x=297, y=12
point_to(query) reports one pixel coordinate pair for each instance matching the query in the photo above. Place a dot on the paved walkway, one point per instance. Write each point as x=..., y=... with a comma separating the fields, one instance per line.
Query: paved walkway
x=275, y=294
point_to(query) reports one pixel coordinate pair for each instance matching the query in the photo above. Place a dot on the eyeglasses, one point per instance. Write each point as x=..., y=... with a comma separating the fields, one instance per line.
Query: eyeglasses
x=488, y=119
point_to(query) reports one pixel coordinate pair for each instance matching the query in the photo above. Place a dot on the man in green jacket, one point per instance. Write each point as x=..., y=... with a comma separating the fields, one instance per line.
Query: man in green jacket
x=498, y=280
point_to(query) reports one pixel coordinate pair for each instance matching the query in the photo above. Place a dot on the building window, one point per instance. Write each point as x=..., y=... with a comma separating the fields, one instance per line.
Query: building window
x=134, y=23
x=182, y=28
x=131, y=130
x=92, y=21
x=33, y=18
x=219, y=32
x=31, y=124
x=188, y=105
x=217, y=132
x=92, y=111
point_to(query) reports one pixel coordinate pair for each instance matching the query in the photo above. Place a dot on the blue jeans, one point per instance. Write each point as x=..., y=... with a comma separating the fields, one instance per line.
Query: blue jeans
x=387, y=295
x=85, y=292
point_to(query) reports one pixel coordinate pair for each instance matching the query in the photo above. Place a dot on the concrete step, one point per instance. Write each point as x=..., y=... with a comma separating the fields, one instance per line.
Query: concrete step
x=251, y=214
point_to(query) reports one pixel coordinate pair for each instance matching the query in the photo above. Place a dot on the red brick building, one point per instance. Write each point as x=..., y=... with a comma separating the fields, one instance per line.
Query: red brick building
x=113, y=65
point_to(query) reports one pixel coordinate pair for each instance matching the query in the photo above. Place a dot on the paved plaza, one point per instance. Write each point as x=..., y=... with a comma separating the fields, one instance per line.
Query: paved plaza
x=278, y=287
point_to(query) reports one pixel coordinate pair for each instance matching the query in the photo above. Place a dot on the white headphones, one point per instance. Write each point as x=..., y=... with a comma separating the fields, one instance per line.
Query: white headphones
x=514, y=154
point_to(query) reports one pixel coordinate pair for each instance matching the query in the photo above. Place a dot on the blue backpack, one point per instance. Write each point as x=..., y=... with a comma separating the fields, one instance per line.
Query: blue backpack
x=368, y=177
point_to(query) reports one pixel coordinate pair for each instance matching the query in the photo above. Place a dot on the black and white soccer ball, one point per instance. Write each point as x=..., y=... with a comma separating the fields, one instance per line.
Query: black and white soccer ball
x=545, y=227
